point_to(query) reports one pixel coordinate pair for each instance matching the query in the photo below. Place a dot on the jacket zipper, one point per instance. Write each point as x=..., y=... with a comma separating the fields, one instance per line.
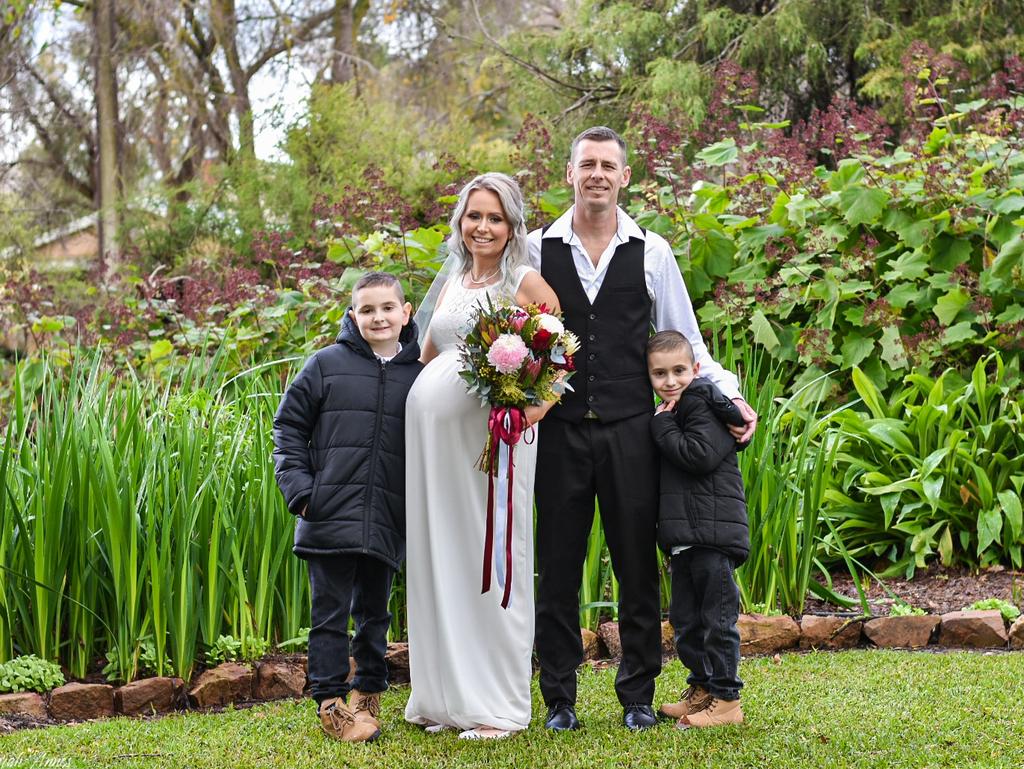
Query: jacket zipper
x=372, y=475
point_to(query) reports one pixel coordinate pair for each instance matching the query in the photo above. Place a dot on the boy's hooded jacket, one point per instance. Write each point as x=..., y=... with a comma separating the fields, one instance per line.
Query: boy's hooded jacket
x=702, y=499
x=339, y=447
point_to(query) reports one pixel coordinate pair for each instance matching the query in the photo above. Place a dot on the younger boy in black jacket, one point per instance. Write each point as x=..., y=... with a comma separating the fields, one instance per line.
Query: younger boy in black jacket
x=702, y=524
x=339, y=456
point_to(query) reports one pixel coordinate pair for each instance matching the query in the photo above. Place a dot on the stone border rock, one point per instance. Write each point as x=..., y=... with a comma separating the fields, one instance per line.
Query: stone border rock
x=284, y=677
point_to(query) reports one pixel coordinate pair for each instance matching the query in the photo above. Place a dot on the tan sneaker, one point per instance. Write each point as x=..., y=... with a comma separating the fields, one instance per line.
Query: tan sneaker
x=693, y=700
x=717, y=713
x=365, y=707
x=340, y=723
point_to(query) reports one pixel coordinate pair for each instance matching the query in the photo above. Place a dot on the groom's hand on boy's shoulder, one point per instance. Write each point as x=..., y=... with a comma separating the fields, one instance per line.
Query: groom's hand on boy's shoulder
x=746, y=432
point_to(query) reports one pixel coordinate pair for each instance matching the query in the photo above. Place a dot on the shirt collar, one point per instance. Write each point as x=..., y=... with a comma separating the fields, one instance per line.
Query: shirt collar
x=626, y=228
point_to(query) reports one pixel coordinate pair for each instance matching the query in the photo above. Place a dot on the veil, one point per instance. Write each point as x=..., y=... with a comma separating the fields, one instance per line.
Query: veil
x=429, y=303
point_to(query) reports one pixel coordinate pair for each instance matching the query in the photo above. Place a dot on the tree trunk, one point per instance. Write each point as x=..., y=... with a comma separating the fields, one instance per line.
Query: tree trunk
x=107, y=138
x=344, y=42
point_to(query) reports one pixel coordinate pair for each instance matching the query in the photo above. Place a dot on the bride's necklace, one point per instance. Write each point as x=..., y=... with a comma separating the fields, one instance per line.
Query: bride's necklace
x=475, y=281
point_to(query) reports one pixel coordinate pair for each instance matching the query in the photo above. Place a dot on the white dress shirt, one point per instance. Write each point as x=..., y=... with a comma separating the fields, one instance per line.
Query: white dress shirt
x=671, y=307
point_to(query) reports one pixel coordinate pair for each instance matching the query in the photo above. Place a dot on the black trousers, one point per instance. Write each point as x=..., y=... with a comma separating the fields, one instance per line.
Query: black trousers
x=344, y=585
x=704, y=609
x=617, y=463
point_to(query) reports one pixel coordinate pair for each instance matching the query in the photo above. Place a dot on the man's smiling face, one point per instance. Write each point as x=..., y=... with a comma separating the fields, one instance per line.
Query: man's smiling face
x=597, y=172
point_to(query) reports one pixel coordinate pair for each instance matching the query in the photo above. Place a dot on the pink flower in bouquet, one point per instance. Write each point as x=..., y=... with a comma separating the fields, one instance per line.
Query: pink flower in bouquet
x=519, y=320
x=531, y=370
x=507, y=353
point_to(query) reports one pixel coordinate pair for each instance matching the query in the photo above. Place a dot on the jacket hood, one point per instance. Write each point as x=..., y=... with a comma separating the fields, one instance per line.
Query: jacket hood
x=349, y=335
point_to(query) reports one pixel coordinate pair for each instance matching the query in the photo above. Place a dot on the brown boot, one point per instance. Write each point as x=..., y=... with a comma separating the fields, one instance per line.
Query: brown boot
x=365, y=707
x=718, y=713
x=693, y=700
x=338, y=722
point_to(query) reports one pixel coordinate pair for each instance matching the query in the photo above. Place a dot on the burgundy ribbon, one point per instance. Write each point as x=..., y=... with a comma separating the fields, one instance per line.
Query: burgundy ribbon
x=505, y=425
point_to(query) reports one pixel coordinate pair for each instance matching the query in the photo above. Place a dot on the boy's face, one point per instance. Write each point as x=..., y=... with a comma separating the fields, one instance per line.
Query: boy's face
x=671, y=372
x=380, y=315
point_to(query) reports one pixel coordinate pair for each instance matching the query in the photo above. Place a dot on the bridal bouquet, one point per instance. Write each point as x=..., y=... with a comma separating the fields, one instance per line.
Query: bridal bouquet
x=517, y=356
x=512, y=358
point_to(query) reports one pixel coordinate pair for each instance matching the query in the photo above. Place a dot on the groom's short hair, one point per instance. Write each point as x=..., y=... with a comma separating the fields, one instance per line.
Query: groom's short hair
x=598, y=133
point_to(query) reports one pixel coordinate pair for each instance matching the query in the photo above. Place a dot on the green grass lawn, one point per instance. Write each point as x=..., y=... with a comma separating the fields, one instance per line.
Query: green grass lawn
x=872, y=709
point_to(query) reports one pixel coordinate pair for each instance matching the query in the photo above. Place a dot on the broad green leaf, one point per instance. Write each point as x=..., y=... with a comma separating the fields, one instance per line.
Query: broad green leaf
x=1011, y=314
x=893, y=351
x=892, y=432
x=985, y=493
x=715, y=251
x=938, y=139
x=933, y=490
x=970, y=106
x=918, y=233
x=990, y=526
x=961, y=332
x=948, y=306
x=47, y=325
x=911, y=265
x=798, y=208
x=946, y=546
x=1009, y=204
x=755, y=237
x=850, y=171
x=948, y=253
x=889, y=502
x=1010, y=502
x=425, y=241
x=933, y=460
x=160, y=349
x=904, y=294
x=720, y=153
x=862, y=205
x=1009, y=257
x=762, y=331
x=855, y=349
x=869, y=394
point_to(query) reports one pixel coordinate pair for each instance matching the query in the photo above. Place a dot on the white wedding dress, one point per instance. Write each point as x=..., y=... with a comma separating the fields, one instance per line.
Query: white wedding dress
x=469, y=659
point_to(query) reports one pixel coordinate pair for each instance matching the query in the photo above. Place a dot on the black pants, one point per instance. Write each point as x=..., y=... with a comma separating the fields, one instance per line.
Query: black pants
x=343, y=585
x=705, y=606
x=618, y=463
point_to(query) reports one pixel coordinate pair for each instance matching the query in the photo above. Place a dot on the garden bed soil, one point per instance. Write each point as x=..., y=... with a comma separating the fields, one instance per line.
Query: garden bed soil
x=936, y=589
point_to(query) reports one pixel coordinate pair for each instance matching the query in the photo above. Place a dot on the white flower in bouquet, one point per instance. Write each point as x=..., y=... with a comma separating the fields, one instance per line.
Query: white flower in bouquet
x=570, y=342
x=550, y=323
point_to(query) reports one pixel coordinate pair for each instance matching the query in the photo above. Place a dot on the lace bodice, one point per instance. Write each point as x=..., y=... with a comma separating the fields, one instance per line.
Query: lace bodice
x=454, y=318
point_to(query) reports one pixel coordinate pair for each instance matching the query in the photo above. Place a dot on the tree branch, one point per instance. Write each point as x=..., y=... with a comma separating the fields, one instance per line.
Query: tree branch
x=527, y=65
x=302, y=33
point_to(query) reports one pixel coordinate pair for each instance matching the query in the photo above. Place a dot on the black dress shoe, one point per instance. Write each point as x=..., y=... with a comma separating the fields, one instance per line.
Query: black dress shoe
x=637, y=717
x=562, y=718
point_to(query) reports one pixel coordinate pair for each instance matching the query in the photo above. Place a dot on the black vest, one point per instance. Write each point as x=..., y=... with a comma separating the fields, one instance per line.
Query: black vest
x=611, y=366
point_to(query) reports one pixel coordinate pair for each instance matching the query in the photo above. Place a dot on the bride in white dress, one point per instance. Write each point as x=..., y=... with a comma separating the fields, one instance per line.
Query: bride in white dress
x=470, y=659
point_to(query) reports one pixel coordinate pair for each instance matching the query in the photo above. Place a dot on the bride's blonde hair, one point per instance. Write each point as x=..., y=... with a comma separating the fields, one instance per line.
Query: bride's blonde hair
x=516, y=253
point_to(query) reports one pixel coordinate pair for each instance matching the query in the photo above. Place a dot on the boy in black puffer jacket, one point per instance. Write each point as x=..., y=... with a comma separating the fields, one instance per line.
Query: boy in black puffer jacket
x=702, y=524
x=339, y=457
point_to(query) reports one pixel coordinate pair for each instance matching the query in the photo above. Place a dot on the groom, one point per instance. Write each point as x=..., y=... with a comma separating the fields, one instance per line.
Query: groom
x=613, y=281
